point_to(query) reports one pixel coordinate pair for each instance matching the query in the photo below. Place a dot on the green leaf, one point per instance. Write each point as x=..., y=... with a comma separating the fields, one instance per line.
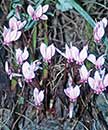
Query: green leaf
x=29, y=24
x=64, y=5
x=11, y=13
x=34, y=37
x=83, y=13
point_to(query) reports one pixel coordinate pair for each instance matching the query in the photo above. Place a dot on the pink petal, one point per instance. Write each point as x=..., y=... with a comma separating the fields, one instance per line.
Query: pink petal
x=100, y=33
x=38, y=12
x=106, y=80
x=76, y=92
x=5, y=31
x=18, y=34
x=75, y=53
x=44, y=17
x=21, y=24
x=41, y=96
x=68, y=52
x=6, y=67
x=13, y=23
x=19, y=56
x=92, y=58
x=27, y=71
x=68, y=91
x=83, y=53
x=30, y=10
x=8, y=36
x=104, y=20
x=45, y=8
x=84, y=73
x=50, y=51
x=35, y=92
x=43, y=49
x=91, y=82
x=25, y=54
x=100, y=61
x=97, y=76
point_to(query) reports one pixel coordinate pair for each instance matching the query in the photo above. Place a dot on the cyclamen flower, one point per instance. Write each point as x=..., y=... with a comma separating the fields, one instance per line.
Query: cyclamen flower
x=79, y=56
x=38, y=96
x=84, y=74
x=97, y=62
x=21, y=56
x=28, y=71
x=99, y=30
x=38, y=13
x=47, y=52
x=72, y=93
x=10, y=35
x=15, y=24
x=98, y=83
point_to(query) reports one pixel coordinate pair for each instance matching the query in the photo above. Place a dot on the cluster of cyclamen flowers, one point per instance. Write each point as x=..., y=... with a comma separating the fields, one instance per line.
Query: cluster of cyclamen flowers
x=13, y=33
x=98, y=83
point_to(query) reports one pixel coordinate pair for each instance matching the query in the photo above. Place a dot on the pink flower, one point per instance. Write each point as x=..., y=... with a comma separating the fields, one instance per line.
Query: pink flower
x=38, y=13
x=97, y=62
x=28, y=71
x=84, y=74
x=21, y=56
x=47, y=52
x=98, y=83
x=67, y=54
x=38, y=96
x=99, y=30
x=79, y=56
x=9, y=71
x=72, y=93
x=10, y=35
x=15, y=24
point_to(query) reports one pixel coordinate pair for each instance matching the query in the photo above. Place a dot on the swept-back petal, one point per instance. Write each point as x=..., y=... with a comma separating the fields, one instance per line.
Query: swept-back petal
x=50, y=51
x=97, y=76
x=38, y=12
x=35, y=92
x=30, y=10
x=13, y=23
x=45, y=8
x=92, y=58
x=18, y=34
x=43, y=50
x=106, y=80
x=44, y=17
x=25, y=54
x=19, y=55
x=41, y=95
x=76, y=92
x=83, y=53
x=6, y=67
x=8, y=37
x=91, y=82
x=100, y=61
x=5, y=31
x=75, y=53
x=21, y=24
x=68, y=52
x=105, y=22
x=84, y=73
